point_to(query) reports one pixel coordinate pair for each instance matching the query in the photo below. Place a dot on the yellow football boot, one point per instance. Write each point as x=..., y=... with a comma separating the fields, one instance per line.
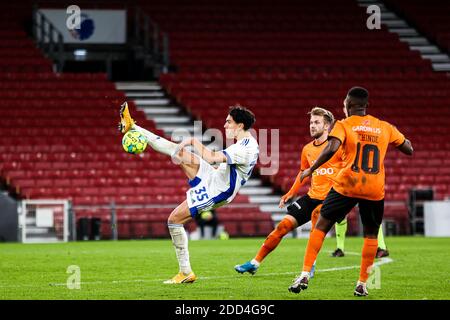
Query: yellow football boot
x=182, y=278
x=126, y=122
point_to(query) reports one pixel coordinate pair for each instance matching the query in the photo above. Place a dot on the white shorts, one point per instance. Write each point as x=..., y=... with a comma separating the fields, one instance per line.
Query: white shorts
x=205, y=194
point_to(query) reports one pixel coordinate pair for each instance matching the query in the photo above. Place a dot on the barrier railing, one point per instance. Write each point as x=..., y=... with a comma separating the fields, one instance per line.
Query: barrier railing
x=155, y=43
x=48, y=38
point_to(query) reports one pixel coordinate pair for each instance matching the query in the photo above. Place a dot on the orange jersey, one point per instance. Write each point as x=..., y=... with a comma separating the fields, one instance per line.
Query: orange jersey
x=365, y=140
x=322, y=178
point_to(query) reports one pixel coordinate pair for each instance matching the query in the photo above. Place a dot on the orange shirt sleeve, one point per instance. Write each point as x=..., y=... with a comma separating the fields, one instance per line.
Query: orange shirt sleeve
x=338, y=131
x=303, y=166
x=396, y=138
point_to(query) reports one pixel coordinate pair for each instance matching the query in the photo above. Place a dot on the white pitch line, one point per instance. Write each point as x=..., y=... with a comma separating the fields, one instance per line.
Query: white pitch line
x=382, y=261
x=378, y=263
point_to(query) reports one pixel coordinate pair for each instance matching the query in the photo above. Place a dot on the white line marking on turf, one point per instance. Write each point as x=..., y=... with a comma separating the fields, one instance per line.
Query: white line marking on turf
x=378, y=263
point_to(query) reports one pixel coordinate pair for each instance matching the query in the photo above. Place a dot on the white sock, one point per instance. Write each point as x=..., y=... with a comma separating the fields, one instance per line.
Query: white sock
x=305, y=274
x=158, y=143
x=254, y=262
x=180, y=242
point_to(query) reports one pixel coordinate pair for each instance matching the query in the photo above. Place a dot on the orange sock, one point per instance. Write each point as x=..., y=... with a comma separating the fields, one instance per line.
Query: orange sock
x=369, y=251
x=315, y=216
x=274, y=238
x=315, y=242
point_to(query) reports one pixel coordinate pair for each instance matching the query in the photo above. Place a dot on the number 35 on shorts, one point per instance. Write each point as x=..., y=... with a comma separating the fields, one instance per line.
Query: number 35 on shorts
x=201, y=194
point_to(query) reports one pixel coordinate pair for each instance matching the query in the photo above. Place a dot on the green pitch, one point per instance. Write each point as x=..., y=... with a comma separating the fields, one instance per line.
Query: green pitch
x=418, y=268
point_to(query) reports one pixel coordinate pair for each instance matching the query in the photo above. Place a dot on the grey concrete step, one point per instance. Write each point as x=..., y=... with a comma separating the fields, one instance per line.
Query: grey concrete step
x=252, y=183
x=155, y=94
x=126, y=86
x=425, y=49
x=417, y=41
x=273, y=208
x=151, y=102
x=266, y=199
x=438, y=58
x=256, y=191
x=159, y=110
x=441, y=67
x=404, y=31
x=171, y=119
x=170, y=128
x=394, y=23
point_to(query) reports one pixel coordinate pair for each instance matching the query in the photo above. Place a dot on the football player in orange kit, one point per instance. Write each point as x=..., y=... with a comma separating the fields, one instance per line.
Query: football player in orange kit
x=307, y=207
x=364, y=140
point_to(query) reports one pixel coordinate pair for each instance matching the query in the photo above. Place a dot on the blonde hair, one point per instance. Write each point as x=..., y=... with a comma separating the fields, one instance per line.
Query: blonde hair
x=327, y=115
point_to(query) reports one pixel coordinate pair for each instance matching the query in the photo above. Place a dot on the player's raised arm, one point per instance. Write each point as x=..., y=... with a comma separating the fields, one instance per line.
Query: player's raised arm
x=399, y=140
x=207, y=154
x=295, y=188
x=326, y=154
x=406, y=147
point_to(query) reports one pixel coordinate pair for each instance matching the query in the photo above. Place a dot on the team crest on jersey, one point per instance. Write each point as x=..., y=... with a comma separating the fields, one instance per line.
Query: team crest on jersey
x=366, y=122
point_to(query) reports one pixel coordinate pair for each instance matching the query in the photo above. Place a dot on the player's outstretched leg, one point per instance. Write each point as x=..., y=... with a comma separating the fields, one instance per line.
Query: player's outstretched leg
x=180, y=241
x=273, y=239
x=158, y=143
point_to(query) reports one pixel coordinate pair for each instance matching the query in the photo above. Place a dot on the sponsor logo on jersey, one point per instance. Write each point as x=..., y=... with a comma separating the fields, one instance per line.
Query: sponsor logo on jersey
x=323, y=171
x=367, y=129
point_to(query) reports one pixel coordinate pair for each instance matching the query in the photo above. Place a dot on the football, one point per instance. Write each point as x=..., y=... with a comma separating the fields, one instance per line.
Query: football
x=134, y=142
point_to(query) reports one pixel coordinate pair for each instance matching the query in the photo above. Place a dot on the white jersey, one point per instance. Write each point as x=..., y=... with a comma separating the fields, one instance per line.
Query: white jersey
x=212, y=187
x=241, y=159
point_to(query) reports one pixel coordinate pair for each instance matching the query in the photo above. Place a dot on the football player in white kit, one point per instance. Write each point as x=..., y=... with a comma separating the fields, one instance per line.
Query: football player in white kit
x=210, y=187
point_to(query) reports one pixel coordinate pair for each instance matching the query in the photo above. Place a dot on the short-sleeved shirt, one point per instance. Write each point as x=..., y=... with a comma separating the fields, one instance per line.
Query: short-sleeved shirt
x=321, y=180
x=365, y=140
x=242, y=155
x=215, y=187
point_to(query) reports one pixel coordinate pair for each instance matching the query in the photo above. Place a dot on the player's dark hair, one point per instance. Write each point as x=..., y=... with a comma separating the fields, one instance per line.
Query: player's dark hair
x=359, y=96
x=242, y=115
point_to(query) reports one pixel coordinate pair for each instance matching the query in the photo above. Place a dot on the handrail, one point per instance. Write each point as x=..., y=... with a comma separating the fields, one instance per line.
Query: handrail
x=150, y=39
x=43, y=32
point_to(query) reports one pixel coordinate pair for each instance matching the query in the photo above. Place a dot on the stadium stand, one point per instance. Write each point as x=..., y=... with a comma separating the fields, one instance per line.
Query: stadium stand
x=429, y=17
x=58, y=136
x=59, y=140
x=282, y=60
